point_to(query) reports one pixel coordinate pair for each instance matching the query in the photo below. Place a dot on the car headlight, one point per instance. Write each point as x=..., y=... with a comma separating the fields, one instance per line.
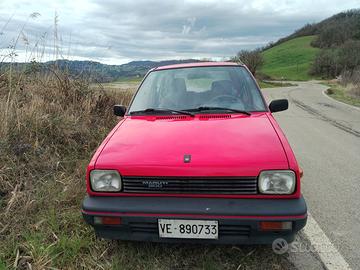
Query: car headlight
x=105, y=180
x=277, y=182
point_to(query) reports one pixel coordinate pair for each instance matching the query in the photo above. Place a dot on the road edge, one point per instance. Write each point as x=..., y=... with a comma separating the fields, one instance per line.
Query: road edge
x=338, y=101
x=327, y=252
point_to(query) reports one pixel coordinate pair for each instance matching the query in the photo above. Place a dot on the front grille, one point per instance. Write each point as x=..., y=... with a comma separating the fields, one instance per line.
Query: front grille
x=143, y=227
x=190, y=185
x=234, y=230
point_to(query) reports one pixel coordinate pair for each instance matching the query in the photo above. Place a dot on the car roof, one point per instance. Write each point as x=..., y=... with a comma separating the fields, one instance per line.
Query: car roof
x=198, y=64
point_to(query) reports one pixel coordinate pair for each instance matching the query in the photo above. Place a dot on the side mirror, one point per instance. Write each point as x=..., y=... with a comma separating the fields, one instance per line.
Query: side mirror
x=279, y=105
x=119, y=110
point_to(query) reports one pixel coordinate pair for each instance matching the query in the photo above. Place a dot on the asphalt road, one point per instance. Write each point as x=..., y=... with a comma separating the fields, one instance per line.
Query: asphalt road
x=325, y=136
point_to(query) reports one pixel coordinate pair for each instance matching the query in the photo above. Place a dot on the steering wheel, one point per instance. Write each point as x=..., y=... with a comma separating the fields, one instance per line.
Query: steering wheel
x=232, y=99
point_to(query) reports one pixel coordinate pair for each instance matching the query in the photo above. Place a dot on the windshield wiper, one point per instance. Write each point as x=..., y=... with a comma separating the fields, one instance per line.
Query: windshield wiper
x=209, y=108
x=151, y=110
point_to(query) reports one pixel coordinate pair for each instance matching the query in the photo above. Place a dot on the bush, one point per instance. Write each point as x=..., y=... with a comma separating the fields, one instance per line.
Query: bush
x=252, y=59
x=330, y=91
x=326, y=64
x=332, y=35
x=336, y=30
x=349, y=55
x=329, y=63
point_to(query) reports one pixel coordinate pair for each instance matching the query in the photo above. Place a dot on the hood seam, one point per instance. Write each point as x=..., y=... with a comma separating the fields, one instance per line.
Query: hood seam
x=282, y=145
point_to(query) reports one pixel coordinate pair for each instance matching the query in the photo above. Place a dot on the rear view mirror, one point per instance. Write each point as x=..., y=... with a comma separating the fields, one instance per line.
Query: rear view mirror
x=279, y=105
x=119, y=110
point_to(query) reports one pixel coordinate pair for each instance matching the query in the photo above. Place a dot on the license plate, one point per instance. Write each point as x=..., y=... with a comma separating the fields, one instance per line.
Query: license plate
x=179, y=228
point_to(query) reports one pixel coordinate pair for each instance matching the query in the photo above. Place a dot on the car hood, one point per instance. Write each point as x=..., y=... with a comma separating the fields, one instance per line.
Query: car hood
x=219, y=145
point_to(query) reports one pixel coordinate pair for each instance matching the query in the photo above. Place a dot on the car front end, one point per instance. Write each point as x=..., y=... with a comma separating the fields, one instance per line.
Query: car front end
x=212, y=174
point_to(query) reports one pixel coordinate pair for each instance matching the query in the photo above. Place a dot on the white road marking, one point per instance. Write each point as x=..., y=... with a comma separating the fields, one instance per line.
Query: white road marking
x=326, y=250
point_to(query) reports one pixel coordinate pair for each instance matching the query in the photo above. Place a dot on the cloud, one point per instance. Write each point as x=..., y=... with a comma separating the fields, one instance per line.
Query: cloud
x=187, y=28
x=115, y=31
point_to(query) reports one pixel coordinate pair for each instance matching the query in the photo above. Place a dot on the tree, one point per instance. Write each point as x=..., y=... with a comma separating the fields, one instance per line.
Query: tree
x=326, y=64
x=331, y=62
x=252, y=59
x=349, y=55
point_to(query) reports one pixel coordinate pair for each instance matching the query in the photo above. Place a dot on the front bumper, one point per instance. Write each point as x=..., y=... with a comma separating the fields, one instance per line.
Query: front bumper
x=238, y=218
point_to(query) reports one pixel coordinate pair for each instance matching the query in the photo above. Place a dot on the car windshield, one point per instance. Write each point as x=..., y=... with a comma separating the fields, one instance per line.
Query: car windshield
x=219, y=87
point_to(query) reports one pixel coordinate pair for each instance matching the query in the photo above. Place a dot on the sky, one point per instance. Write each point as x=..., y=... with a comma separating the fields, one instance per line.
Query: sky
x=119, y=31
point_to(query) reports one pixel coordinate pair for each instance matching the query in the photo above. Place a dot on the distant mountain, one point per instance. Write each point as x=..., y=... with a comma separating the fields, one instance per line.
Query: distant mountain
x=139, y=68
x=96, y=71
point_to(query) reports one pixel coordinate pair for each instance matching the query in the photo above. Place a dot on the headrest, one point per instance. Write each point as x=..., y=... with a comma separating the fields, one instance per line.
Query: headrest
x=223, y=85
x=179, y=85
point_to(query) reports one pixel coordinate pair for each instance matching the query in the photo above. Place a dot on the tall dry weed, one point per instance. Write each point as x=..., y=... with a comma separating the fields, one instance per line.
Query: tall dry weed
x=351, y=81
x=50, y=125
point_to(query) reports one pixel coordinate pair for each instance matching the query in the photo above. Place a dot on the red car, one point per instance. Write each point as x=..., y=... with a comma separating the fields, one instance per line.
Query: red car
x=197, y=157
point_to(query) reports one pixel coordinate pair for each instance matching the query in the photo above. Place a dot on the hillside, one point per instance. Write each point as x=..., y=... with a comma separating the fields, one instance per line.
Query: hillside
x=321, y=50
x=290, y=60
x=332, y=31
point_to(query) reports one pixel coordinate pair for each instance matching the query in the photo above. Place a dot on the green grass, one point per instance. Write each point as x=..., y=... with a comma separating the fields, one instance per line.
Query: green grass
x=268, y=84
x=340, y=93
x=290, y=60
x=129, y=79
x=130, y=255
x=124, y=85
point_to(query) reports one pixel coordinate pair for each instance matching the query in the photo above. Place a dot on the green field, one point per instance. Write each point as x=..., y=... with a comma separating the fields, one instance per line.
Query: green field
x=290, y=60
x=268, y=84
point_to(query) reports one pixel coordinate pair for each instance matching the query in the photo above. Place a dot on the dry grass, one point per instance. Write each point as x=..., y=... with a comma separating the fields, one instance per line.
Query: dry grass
x=50, y=126
x=346, y=88
x=351, y=81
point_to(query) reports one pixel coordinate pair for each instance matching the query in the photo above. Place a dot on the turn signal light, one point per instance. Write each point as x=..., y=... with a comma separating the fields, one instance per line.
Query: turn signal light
x=301, y=172
x=107, y=220
x=275, y=225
